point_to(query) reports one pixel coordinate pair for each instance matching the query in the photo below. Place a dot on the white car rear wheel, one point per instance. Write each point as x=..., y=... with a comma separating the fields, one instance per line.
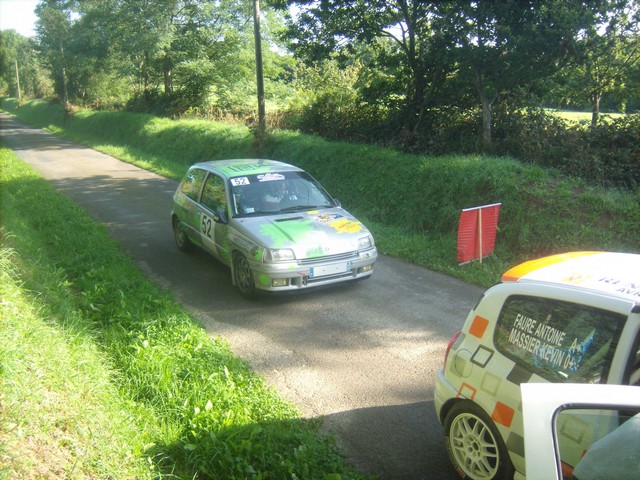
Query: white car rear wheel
x=474, y=444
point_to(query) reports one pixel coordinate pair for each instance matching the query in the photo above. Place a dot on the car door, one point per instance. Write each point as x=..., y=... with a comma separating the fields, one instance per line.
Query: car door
x=550, y=409
x=213, y=217
x=185, y=203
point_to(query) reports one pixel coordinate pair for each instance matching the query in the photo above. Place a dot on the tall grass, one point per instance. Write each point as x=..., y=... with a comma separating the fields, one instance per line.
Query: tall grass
x=412, y=203
x=62, y=415
x=421, y=197
x=107, y=377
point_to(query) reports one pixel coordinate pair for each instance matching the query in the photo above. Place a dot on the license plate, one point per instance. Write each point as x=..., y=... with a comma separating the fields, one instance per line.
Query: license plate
x=328, y=270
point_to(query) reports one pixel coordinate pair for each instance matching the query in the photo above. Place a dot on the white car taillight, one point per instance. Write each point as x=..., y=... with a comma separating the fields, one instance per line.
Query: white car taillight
x=451, y=342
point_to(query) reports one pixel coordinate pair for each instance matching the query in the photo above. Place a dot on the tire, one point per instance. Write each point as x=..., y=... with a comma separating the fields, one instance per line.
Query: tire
x=474, y=444
x=244, y=276
x=182, y=240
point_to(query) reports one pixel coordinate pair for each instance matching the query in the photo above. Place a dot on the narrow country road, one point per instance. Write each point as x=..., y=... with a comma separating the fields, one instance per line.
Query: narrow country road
x=361, y=357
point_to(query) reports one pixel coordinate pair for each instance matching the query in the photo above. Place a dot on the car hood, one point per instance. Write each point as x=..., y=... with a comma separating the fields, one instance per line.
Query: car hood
x=309, y=234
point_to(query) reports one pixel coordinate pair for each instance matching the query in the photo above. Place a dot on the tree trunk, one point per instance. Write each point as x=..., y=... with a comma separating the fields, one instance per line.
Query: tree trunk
x=486, y=110
x=65, y=94
x=486, y=121
x=595, y=109
x=167, y=69
x=416, y=107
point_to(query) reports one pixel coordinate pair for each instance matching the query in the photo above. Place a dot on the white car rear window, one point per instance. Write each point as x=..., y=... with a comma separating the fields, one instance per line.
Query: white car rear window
x=560, y=341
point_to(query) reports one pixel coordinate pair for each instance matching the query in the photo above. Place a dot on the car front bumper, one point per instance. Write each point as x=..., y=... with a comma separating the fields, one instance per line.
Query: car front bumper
x=288, y=276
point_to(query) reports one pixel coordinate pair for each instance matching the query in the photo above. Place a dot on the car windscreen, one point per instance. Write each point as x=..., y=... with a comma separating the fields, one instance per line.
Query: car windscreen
x=560, y=341
x=276, y=192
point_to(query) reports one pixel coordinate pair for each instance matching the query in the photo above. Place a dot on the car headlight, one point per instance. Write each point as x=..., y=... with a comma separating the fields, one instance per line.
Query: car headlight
x=365, y=242
x=278, y=255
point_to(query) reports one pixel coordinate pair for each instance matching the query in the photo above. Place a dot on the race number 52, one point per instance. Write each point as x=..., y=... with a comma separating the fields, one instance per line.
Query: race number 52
x=206, y=225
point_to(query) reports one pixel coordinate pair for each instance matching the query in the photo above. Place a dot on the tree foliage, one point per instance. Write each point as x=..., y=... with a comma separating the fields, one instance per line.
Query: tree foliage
x=489, y=50
x=419, y=75
x=163, y=55
x=20, y=53
x=607, y=59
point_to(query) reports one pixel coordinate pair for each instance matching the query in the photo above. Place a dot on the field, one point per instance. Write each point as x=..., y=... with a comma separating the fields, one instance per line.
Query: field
x=581, y=117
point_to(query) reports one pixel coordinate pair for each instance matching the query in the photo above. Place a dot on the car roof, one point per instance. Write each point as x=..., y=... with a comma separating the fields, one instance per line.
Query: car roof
x=614, y=274
x=245, y=166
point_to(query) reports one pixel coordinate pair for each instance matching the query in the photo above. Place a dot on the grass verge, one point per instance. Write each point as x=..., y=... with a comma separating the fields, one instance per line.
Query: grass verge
x=411, y=203
x=103, y=375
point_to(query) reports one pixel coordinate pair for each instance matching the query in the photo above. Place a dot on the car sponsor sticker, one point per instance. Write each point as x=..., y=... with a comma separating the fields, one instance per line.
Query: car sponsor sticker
x=269, y=177
x=239, y=181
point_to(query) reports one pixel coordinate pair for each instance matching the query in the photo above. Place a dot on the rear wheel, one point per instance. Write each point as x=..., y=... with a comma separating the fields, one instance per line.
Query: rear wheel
x=182, y=240
x=244, y=276
x=474, y=444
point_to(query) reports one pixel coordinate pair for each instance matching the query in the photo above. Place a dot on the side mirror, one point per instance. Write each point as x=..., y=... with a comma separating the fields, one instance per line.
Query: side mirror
x=220, y=216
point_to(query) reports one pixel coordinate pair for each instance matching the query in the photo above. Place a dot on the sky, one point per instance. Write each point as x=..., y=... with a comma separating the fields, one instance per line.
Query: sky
x=18, y=15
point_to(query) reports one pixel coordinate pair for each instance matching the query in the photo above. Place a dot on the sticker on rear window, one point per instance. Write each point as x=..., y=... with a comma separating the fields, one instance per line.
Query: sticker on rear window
x=560, y=341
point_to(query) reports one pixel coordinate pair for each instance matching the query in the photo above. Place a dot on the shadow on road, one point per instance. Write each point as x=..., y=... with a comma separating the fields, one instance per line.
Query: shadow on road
x=397, y=453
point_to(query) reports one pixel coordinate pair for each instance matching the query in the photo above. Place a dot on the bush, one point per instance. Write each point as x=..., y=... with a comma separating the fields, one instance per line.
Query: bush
x=617, y=146
x=608, y=155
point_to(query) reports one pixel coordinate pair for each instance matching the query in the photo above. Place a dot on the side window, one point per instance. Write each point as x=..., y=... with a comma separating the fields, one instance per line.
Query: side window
x=560, y=341
x=192, y=183
x=213, y=195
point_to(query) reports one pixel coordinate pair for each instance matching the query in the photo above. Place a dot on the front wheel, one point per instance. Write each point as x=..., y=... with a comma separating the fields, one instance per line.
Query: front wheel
x=244, y=276
x=474, y=444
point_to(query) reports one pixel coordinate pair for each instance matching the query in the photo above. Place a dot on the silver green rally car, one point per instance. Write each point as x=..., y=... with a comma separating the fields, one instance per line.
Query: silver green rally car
x=272, y=223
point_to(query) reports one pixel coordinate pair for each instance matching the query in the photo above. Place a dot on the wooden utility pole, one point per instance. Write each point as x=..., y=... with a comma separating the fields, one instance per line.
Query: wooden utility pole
x=18, y=81
x=262, y=124
x=65, y=94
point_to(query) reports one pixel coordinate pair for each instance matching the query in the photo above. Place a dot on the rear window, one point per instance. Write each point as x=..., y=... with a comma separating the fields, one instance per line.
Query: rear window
x=560, y=341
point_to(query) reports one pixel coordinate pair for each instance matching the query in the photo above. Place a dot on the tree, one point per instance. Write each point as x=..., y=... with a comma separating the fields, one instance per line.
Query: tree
x=496, y=49
x=17, y=51
x=177, y=53
x=505, y=47
x=53, y=28
x=609, y=54
x=323, y=28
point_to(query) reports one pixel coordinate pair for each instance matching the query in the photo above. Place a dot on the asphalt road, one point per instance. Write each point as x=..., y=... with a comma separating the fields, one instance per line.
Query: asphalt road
x=362, y=357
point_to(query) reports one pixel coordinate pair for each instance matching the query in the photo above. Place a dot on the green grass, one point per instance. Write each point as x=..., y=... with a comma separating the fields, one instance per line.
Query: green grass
x=104, y=375
x=60, y=414
x=582, y=117
x=411, y=203
x=79, y=344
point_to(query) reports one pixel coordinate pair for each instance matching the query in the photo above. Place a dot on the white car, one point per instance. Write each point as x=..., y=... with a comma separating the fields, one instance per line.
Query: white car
x=568, y=318
x=550, y=410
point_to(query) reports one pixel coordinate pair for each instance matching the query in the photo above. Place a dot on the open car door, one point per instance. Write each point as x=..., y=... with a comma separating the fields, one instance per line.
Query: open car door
x=581, y=431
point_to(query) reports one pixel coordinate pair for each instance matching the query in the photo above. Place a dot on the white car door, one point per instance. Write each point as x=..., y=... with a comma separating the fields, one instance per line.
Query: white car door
x=608, y=414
